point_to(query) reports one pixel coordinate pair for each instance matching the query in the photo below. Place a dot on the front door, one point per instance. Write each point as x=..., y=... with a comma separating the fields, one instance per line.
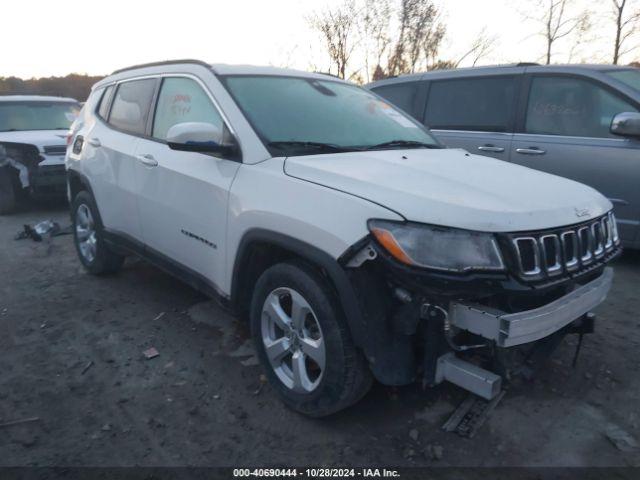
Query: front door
x=566, y=132
x=183, y=196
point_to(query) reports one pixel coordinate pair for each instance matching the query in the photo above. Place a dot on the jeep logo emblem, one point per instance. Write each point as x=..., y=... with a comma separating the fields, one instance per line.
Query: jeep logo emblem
x=582, y=212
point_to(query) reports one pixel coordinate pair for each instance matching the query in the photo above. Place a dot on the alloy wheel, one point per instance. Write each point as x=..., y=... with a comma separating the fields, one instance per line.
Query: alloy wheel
x=293, y=340
x=86, y=233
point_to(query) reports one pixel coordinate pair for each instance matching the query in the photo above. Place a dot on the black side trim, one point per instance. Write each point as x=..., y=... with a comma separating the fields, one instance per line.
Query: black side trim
x=130, y=245
x=337, y=275
x=82, y=179
x=74, y=179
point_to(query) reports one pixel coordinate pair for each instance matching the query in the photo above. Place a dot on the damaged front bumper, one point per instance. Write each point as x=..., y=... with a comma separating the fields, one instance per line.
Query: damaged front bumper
x=514, y=329
x=474, y=330
x=510, y=329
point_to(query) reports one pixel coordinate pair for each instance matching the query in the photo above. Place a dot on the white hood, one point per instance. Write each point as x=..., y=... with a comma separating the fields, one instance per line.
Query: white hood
x=454, y=188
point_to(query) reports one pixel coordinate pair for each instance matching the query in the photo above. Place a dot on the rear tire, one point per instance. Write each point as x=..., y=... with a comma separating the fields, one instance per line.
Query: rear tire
x=88, y=237
x=8, y=194
x=316, y=342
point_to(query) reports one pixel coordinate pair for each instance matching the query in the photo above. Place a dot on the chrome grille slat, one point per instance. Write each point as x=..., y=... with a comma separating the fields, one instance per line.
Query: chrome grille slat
x=570, y=249
x=585, y=244
x=565, y=249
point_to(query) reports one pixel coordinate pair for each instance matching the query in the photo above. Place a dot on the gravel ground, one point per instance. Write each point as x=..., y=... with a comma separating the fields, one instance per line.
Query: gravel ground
x=71, y=354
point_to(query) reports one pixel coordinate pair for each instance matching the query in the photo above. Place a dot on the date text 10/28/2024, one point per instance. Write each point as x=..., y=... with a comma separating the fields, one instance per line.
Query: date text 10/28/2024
x=315, y=473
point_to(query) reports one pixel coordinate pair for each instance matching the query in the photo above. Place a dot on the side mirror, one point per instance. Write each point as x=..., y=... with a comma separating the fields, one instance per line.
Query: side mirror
x=626, y=124
x=199, y=137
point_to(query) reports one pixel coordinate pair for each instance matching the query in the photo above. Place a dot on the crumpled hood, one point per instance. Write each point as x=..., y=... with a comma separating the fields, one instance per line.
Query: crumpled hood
x=451, y=187
x=39, y=138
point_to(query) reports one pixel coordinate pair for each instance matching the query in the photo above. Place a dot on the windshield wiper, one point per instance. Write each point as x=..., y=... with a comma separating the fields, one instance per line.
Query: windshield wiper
x=293, y=144
x=403, y=144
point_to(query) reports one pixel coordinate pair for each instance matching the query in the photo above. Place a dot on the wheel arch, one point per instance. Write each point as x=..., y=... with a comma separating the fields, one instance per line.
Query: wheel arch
x=77, y=182
x=259, y=249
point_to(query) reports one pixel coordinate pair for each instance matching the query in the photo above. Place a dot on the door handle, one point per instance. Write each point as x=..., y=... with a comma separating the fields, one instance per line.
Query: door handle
x=148, y=160
x=491, y=148
x=94, y=142
x=530, y=151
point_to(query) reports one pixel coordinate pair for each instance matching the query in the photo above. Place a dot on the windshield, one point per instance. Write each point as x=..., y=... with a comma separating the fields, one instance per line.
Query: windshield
x=305, y=116
x=629, y=77
x=19, y=116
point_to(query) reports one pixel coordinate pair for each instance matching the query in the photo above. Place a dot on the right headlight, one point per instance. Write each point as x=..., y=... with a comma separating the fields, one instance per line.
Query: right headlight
x=438, y=248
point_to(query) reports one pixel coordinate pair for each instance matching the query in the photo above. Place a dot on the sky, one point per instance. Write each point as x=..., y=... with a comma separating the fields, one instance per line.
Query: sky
x=45, y=38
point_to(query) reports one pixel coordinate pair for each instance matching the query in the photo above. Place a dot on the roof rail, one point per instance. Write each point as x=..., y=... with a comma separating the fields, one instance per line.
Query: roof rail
x=327, y=73
x=527, y=64
x=164, y=62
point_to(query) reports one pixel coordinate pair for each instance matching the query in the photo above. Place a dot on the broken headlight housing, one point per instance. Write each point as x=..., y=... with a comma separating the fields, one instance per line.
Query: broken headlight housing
x=438, y=248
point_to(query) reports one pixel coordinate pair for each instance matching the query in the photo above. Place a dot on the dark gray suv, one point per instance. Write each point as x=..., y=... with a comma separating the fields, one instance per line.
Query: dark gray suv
x=577, y=121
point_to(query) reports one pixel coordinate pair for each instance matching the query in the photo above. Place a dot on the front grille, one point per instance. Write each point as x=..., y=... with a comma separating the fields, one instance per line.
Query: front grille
x=566, y=250
x=55, y=149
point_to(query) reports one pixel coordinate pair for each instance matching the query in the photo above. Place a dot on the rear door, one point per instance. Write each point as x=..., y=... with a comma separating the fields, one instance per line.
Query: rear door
x=110, y=160
x=474, y=113
x=564, y=130
x=183, y=196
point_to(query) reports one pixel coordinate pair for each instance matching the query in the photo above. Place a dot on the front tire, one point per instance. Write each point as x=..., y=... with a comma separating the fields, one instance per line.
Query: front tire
x=88, y=236
x=303, y=341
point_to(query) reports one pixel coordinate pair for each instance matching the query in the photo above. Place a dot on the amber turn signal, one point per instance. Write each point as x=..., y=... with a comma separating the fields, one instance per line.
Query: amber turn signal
x=387, y=240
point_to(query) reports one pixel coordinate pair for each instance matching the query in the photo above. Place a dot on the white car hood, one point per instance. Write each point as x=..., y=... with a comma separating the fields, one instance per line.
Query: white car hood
x=39, y=138
x=454, y=188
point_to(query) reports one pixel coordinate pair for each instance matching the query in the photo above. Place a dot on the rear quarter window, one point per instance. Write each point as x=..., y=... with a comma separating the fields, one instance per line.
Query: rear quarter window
x=105, y=101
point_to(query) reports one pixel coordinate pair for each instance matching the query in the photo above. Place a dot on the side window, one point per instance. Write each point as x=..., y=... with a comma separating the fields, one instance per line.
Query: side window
x=402, y=95
x=131, y=105
x=483, y=104
x=572, y=107
x=103, y=109
x=183, y=100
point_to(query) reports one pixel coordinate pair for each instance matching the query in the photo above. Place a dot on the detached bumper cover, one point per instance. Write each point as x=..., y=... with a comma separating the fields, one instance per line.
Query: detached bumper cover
x=510, y=329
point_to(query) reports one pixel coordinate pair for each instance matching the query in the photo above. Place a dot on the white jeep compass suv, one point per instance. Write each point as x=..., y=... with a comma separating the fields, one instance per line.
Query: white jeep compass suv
x=355, y=245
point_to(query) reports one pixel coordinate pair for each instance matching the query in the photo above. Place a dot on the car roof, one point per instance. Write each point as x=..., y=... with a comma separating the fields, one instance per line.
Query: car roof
x=217, y=68
x=225, y=69
x=36, y=98
x=173, y=66
x=501, y=69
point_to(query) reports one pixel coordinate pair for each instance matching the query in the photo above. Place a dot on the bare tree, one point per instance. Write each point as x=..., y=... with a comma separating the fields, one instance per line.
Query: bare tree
x=419, y=31
x=443, y=65
x=374, y=29
x=481, y=46
x=583, y=35
x=337, y=28
x=627, y=24
x=559, y=20
x=433, y=41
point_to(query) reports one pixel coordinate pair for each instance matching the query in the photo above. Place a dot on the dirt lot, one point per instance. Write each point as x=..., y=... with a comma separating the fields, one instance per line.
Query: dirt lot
x=71, y=354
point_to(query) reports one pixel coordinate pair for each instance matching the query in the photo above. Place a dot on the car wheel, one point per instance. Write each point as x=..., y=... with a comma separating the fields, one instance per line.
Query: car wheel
x=303, y=341
x=8, y=197
x=94, y=253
